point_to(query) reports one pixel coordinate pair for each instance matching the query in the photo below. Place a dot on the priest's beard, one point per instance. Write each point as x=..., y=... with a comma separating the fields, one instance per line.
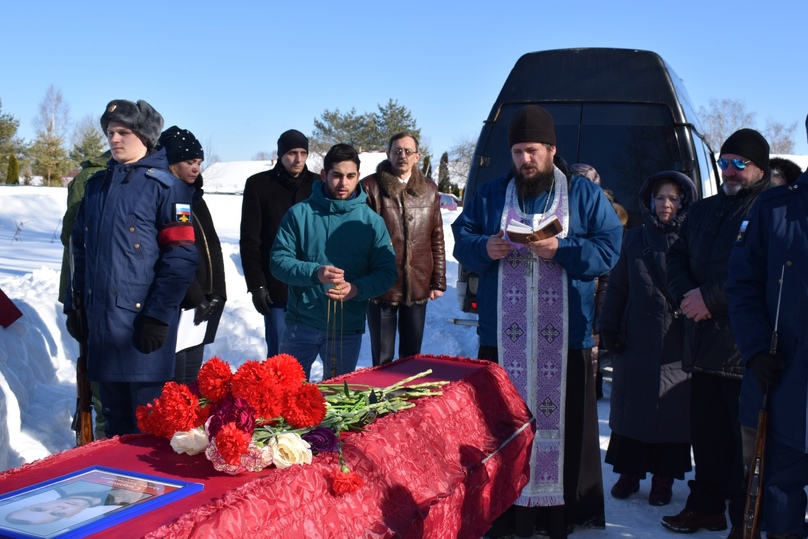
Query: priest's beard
x=532, y=183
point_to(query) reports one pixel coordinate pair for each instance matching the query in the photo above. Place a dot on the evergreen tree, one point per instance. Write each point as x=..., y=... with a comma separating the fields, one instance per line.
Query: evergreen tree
x=13, y=173
x=426, y=168
x=88, y=140
x=10, y=144
x=366, y=131
x=444, y=185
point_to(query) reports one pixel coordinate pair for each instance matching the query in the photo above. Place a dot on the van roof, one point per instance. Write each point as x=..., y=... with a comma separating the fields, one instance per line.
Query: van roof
x=596, y=75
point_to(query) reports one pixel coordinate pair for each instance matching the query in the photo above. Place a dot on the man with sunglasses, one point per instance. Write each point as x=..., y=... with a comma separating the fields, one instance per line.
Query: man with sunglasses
x=768, y=292
x=697, y=273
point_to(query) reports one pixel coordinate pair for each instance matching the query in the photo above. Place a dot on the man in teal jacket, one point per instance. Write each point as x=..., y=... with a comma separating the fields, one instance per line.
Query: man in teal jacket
x=335, y=254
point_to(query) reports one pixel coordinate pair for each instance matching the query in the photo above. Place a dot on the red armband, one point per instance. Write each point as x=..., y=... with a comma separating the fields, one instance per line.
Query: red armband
x=175, y=234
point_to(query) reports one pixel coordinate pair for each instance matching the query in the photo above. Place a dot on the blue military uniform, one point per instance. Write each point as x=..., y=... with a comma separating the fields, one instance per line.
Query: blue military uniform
x=774, y=240
x=134, y=255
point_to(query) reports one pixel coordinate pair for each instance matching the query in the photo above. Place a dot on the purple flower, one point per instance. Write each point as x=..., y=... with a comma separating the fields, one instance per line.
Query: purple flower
x=322, y=439
x=233, y=410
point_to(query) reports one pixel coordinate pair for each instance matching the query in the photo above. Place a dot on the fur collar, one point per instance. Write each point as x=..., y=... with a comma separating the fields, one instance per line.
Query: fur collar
x=393, y=187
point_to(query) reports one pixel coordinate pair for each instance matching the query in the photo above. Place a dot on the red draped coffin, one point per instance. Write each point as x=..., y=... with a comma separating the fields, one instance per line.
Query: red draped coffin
x=445, y=468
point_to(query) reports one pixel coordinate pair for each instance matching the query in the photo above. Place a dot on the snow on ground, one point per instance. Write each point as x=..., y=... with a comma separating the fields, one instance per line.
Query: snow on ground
x=37, y=355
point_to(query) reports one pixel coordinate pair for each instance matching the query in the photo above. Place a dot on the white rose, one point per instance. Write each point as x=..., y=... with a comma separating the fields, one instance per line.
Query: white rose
x=288, y=449
x=192, y=441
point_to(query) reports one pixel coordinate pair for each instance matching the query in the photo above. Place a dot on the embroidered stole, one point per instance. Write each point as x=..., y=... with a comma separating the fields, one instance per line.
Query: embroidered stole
x=532, y=326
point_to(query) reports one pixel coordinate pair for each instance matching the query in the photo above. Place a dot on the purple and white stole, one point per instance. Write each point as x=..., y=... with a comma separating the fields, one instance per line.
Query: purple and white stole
x=533, y=341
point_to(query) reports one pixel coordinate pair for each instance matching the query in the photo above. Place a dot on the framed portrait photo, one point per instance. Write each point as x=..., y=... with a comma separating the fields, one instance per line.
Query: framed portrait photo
x=85, y=502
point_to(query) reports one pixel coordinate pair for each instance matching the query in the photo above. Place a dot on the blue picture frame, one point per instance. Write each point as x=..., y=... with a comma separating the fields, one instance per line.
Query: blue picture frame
x=85, y=502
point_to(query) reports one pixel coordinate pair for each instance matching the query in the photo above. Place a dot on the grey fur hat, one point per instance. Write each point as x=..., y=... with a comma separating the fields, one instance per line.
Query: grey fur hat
x=140, y=117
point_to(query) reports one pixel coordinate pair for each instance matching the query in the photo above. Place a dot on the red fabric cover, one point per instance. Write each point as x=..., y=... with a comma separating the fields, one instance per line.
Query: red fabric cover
x=8, y=311
x=425, y=469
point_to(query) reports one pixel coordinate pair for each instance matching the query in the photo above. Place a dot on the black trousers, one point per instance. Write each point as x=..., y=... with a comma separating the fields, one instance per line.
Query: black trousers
x=383, y=321
x=120, y=401
x=717, y=449
x=583, y=480
x=188, y=363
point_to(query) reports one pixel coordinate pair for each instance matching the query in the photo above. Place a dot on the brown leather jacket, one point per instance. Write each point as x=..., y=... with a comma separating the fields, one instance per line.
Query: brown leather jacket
x=412, y=215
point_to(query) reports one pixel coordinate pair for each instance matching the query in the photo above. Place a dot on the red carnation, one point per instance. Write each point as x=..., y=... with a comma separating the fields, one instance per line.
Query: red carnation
x=214, y=379
x=345, y=482
x=253, y=383
x=232, y=443
x=285, y=370
x=178, y=408
x=304, y=407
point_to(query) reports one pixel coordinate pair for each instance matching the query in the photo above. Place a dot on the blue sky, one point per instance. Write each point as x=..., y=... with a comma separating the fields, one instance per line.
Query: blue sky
x=239, y=73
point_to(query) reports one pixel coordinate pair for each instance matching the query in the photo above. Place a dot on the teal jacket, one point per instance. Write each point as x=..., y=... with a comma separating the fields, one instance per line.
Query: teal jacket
x=346, y=234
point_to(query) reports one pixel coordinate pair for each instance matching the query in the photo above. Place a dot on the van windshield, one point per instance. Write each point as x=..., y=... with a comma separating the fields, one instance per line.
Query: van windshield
x=625, y=142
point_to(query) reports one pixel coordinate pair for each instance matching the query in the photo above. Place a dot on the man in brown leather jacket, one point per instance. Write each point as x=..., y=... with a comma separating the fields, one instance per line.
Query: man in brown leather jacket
x=409, y=203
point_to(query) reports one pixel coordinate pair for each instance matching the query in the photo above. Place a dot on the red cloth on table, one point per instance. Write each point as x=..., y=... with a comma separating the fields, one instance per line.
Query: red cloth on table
x=444, y=468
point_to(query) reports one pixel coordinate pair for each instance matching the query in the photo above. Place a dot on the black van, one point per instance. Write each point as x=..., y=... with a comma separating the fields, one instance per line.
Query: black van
x=625, y=112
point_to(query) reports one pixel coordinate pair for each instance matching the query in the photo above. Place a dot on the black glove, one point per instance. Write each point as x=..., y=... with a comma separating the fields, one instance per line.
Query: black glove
x=76, y=324
x=766, y=368
x=150, y=334
x=205, y=311
x=612, y=342
x=261, y=300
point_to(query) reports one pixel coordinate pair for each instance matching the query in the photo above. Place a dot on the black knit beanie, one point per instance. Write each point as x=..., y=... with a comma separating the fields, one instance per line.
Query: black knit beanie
x=750, y=144
x=290, y=140
x=140, y=117
x=531, y=124
x=180, y=145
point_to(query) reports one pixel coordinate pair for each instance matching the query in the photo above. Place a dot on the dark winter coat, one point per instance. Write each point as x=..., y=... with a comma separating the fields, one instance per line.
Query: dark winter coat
x=209, y=280
x=134, y=255
x=75, y=193
x=699, y=259
x=346, y=234
x=412, y=214
x=267, y=197
x=650, y=391
x=775, y=243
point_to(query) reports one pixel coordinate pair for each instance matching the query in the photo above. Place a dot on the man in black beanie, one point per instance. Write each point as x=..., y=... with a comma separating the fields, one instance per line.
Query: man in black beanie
x=697, y=273
x=267, y=197
x=133, y=258
x=536, y=308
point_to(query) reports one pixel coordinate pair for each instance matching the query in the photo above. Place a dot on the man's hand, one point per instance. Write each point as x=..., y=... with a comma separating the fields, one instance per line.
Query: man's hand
x=497, y=247
x=544, y=248
x=693, y=306
x=767, y=368
x=435, y=294
x=261, y=300
x=612, y=342
x=205, y=311
x=331, y=275
x=150, y=334
x=341, y=292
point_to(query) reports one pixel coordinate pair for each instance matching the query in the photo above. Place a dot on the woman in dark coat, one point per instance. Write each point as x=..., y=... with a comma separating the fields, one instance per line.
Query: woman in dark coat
x=639, y=325
x=207, y=291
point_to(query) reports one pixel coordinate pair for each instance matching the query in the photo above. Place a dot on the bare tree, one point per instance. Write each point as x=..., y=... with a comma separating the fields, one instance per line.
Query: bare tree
x=722, y=118
x=780, y=137
x=262, y=155
x=461, y=156
x=48, y=151
x=210, y=153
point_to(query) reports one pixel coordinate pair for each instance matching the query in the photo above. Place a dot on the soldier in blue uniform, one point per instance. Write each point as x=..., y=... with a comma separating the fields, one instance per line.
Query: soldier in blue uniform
x=773, y=242
x=133, y=257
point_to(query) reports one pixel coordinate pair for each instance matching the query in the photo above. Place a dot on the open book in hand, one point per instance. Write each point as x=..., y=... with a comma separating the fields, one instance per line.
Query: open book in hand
x=518, y=232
